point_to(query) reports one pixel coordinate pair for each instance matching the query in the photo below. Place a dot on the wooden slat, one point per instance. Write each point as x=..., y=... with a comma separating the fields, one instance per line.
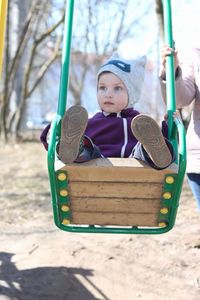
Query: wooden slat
x=115, y=190
x=114, y=205
x=115, y=169
x=114, y=219
x=114, y=174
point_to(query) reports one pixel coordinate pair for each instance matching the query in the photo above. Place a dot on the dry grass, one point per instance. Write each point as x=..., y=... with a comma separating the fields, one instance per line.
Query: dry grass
x=25, y=193
x=47, y=263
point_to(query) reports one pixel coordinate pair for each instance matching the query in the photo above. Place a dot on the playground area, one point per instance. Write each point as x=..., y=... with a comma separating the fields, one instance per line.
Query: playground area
x=39, y=261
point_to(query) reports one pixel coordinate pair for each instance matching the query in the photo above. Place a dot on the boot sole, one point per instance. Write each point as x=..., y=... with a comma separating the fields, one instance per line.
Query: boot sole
x=73, y=126
x=149, y=134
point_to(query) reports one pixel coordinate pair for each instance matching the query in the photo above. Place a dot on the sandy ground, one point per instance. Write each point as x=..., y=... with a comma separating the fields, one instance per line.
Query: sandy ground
x=39, y=261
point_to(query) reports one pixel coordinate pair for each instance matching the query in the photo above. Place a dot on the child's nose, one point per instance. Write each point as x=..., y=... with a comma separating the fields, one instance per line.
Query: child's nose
x=109, y=93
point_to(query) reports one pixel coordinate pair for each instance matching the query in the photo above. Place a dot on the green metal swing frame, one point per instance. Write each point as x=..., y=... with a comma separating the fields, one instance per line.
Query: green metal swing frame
x=176, y=132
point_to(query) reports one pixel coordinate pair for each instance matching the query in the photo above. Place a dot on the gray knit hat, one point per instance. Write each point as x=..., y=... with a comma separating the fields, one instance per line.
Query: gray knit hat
x=131, y=73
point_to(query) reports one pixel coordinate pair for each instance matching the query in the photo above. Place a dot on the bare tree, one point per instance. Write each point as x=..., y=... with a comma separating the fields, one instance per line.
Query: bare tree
x=103, y=25
x=26, y=67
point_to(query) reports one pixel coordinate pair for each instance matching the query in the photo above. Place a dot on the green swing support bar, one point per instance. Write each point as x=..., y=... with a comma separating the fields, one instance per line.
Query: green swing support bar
x=174, y=125
x=176, y=128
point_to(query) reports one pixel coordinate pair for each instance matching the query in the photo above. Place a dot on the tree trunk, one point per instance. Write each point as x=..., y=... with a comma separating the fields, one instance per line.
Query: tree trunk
x=159, y=12
x=27, y=59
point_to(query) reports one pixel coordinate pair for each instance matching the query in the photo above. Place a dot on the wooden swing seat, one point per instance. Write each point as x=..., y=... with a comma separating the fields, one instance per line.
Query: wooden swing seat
x=116, y=195
x=115, y=191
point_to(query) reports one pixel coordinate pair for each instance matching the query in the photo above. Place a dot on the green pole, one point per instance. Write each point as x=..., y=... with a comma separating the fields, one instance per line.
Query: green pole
x=170, y=84
x=64, y=77
x=171, y=107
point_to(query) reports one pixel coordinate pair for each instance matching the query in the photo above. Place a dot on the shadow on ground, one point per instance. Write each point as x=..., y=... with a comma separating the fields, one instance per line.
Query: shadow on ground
x=51, y=283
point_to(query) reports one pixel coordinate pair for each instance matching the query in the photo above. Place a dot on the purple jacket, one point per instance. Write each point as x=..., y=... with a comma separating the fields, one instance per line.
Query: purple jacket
x=112, y=134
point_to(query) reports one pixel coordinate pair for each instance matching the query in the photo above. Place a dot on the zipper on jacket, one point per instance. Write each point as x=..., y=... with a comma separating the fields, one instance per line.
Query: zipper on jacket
x=125, y=126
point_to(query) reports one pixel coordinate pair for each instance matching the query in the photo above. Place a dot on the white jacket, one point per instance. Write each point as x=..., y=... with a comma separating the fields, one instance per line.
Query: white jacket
x=187, y=91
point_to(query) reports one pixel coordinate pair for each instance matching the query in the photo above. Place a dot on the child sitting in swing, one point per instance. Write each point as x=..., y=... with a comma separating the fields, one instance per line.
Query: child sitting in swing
x=118, y=130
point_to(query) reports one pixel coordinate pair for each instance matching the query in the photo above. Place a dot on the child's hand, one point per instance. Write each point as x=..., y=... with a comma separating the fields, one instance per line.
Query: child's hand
x=165, y=51
x=176, y=115
x=166, y=117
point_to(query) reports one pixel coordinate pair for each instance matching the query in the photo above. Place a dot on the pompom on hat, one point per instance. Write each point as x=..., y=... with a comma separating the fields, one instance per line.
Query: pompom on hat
x=131, y=73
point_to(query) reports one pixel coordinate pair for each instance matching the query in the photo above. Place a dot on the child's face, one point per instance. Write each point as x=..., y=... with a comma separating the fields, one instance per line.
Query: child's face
x=112, y=94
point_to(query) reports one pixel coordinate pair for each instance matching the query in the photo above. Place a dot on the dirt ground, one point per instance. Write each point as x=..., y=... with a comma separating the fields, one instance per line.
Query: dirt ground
x=39, y=261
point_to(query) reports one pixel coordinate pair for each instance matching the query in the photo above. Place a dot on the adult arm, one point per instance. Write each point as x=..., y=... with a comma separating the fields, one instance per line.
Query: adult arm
x=184, y=79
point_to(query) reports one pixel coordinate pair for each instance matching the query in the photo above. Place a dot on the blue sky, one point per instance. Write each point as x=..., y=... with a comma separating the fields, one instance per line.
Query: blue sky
x=186, y=24
x=186, y=29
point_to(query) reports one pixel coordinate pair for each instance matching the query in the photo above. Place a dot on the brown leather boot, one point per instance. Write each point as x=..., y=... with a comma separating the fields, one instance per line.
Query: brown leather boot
x=149, y=134
x=73, y=126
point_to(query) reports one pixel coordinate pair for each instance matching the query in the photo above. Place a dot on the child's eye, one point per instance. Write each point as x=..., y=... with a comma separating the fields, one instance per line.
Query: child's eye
x=102, y=88
x=117, y=88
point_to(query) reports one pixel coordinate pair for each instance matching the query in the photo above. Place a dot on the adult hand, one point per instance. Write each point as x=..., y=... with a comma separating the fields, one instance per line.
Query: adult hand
x=166, y=51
